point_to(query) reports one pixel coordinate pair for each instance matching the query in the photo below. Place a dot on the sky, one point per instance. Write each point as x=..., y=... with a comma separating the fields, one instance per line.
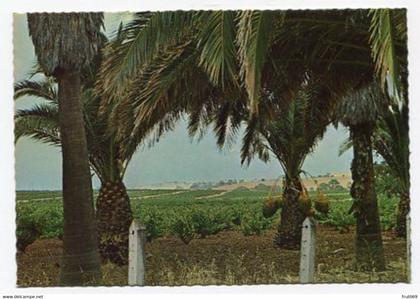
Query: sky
x=175, y=158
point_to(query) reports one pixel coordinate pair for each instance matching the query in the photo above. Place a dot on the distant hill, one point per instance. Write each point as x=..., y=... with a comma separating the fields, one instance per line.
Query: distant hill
x=343, y=178
x=168, y=186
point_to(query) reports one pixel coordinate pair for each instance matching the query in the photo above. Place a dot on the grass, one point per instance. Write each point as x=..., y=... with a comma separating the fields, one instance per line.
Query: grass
x=396, y=272
x=228, y=258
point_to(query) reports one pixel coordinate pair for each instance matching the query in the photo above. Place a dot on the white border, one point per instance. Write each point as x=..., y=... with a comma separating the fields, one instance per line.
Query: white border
x=7, y=183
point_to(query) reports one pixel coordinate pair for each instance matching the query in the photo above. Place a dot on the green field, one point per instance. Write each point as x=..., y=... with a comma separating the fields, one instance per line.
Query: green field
x=209, y=237
x=190, y=214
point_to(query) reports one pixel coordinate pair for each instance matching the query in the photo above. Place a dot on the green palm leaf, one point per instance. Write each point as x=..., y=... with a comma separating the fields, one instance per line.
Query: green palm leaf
x=391, y=141
x=39, y=122
x=217, y=45
x=139, y=42
x=254, y=39
x=45, y=89
x=387, y=29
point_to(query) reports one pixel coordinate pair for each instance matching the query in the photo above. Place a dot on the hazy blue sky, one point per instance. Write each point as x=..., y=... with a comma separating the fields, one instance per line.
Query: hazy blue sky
x=175, y=158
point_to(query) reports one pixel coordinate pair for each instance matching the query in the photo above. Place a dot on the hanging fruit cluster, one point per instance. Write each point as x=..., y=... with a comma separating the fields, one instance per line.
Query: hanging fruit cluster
x=322, y=204
x=305, y=203
x=271, y=205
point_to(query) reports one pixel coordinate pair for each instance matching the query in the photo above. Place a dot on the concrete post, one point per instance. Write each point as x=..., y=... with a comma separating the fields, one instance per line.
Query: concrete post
x=307, y=251
x=136, y=257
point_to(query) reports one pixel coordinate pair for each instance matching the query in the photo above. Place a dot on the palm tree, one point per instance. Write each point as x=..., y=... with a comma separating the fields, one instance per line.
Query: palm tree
x=64, y=43
x=106, y=155
x=360, y=110
x=389, y=47
x=388, y=42
x=290, y=136
x=167, y=53
x=273, y=48
x=174, y=83
x=391, y=141
x=113, y=212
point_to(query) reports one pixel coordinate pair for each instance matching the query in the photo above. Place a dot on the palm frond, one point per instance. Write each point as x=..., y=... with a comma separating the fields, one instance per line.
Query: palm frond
x=294, y=129
x=391, y=141
x=45, y=89
x=345, y=146
x=65, y=47
x=388, y=27
x=361, y=105
x=171, y=84
x=217, y=46
x=199, y=118
x=138, y=43
x=253, y=143
x=39, y=122
x=254, y=39
x=226, y=124
x=163, y=81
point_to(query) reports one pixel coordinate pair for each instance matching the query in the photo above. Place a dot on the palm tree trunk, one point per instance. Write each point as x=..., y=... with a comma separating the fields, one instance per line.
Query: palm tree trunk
x=289, y=231
x=403, y=209
x=80, y=265
x=113, y=214
x=369, y=250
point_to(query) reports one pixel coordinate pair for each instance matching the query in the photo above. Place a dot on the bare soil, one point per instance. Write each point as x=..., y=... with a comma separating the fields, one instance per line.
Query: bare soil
x=226, y=258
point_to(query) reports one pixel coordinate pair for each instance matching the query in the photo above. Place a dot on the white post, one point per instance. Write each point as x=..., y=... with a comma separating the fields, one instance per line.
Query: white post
x=307, y=251
x=408, y=241
x=136, y=241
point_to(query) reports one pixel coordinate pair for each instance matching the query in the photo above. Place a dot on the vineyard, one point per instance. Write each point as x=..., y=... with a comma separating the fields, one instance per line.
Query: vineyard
x=209, y=237
x=191, y=214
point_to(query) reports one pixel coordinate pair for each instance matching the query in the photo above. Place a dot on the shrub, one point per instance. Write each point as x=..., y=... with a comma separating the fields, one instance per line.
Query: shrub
x=233, y=217
x=338, y=217
x=207, y=222
x=50, y=221
x=183, y=228
x=255, y=224
x=201, y=223
x=220, y=220
x=387, y=210
x=153, y=222
x=27, y=230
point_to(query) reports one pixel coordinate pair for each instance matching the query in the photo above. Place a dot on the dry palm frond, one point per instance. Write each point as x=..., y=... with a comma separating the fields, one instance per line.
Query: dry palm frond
x=270, y=206
x=65, y=41
x=322, y=204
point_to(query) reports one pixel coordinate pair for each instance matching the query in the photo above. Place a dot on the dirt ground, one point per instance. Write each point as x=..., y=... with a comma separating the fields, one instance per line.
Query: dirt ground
x=226, y=258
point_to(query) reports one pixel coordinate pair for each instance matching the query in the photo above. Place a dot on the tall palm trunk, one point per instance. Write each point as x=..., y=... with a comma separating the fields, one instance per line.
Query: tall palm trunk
x=113, y=214
x=289, y=232
x=80, y=263
x=403, y=210
x=369, y=250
